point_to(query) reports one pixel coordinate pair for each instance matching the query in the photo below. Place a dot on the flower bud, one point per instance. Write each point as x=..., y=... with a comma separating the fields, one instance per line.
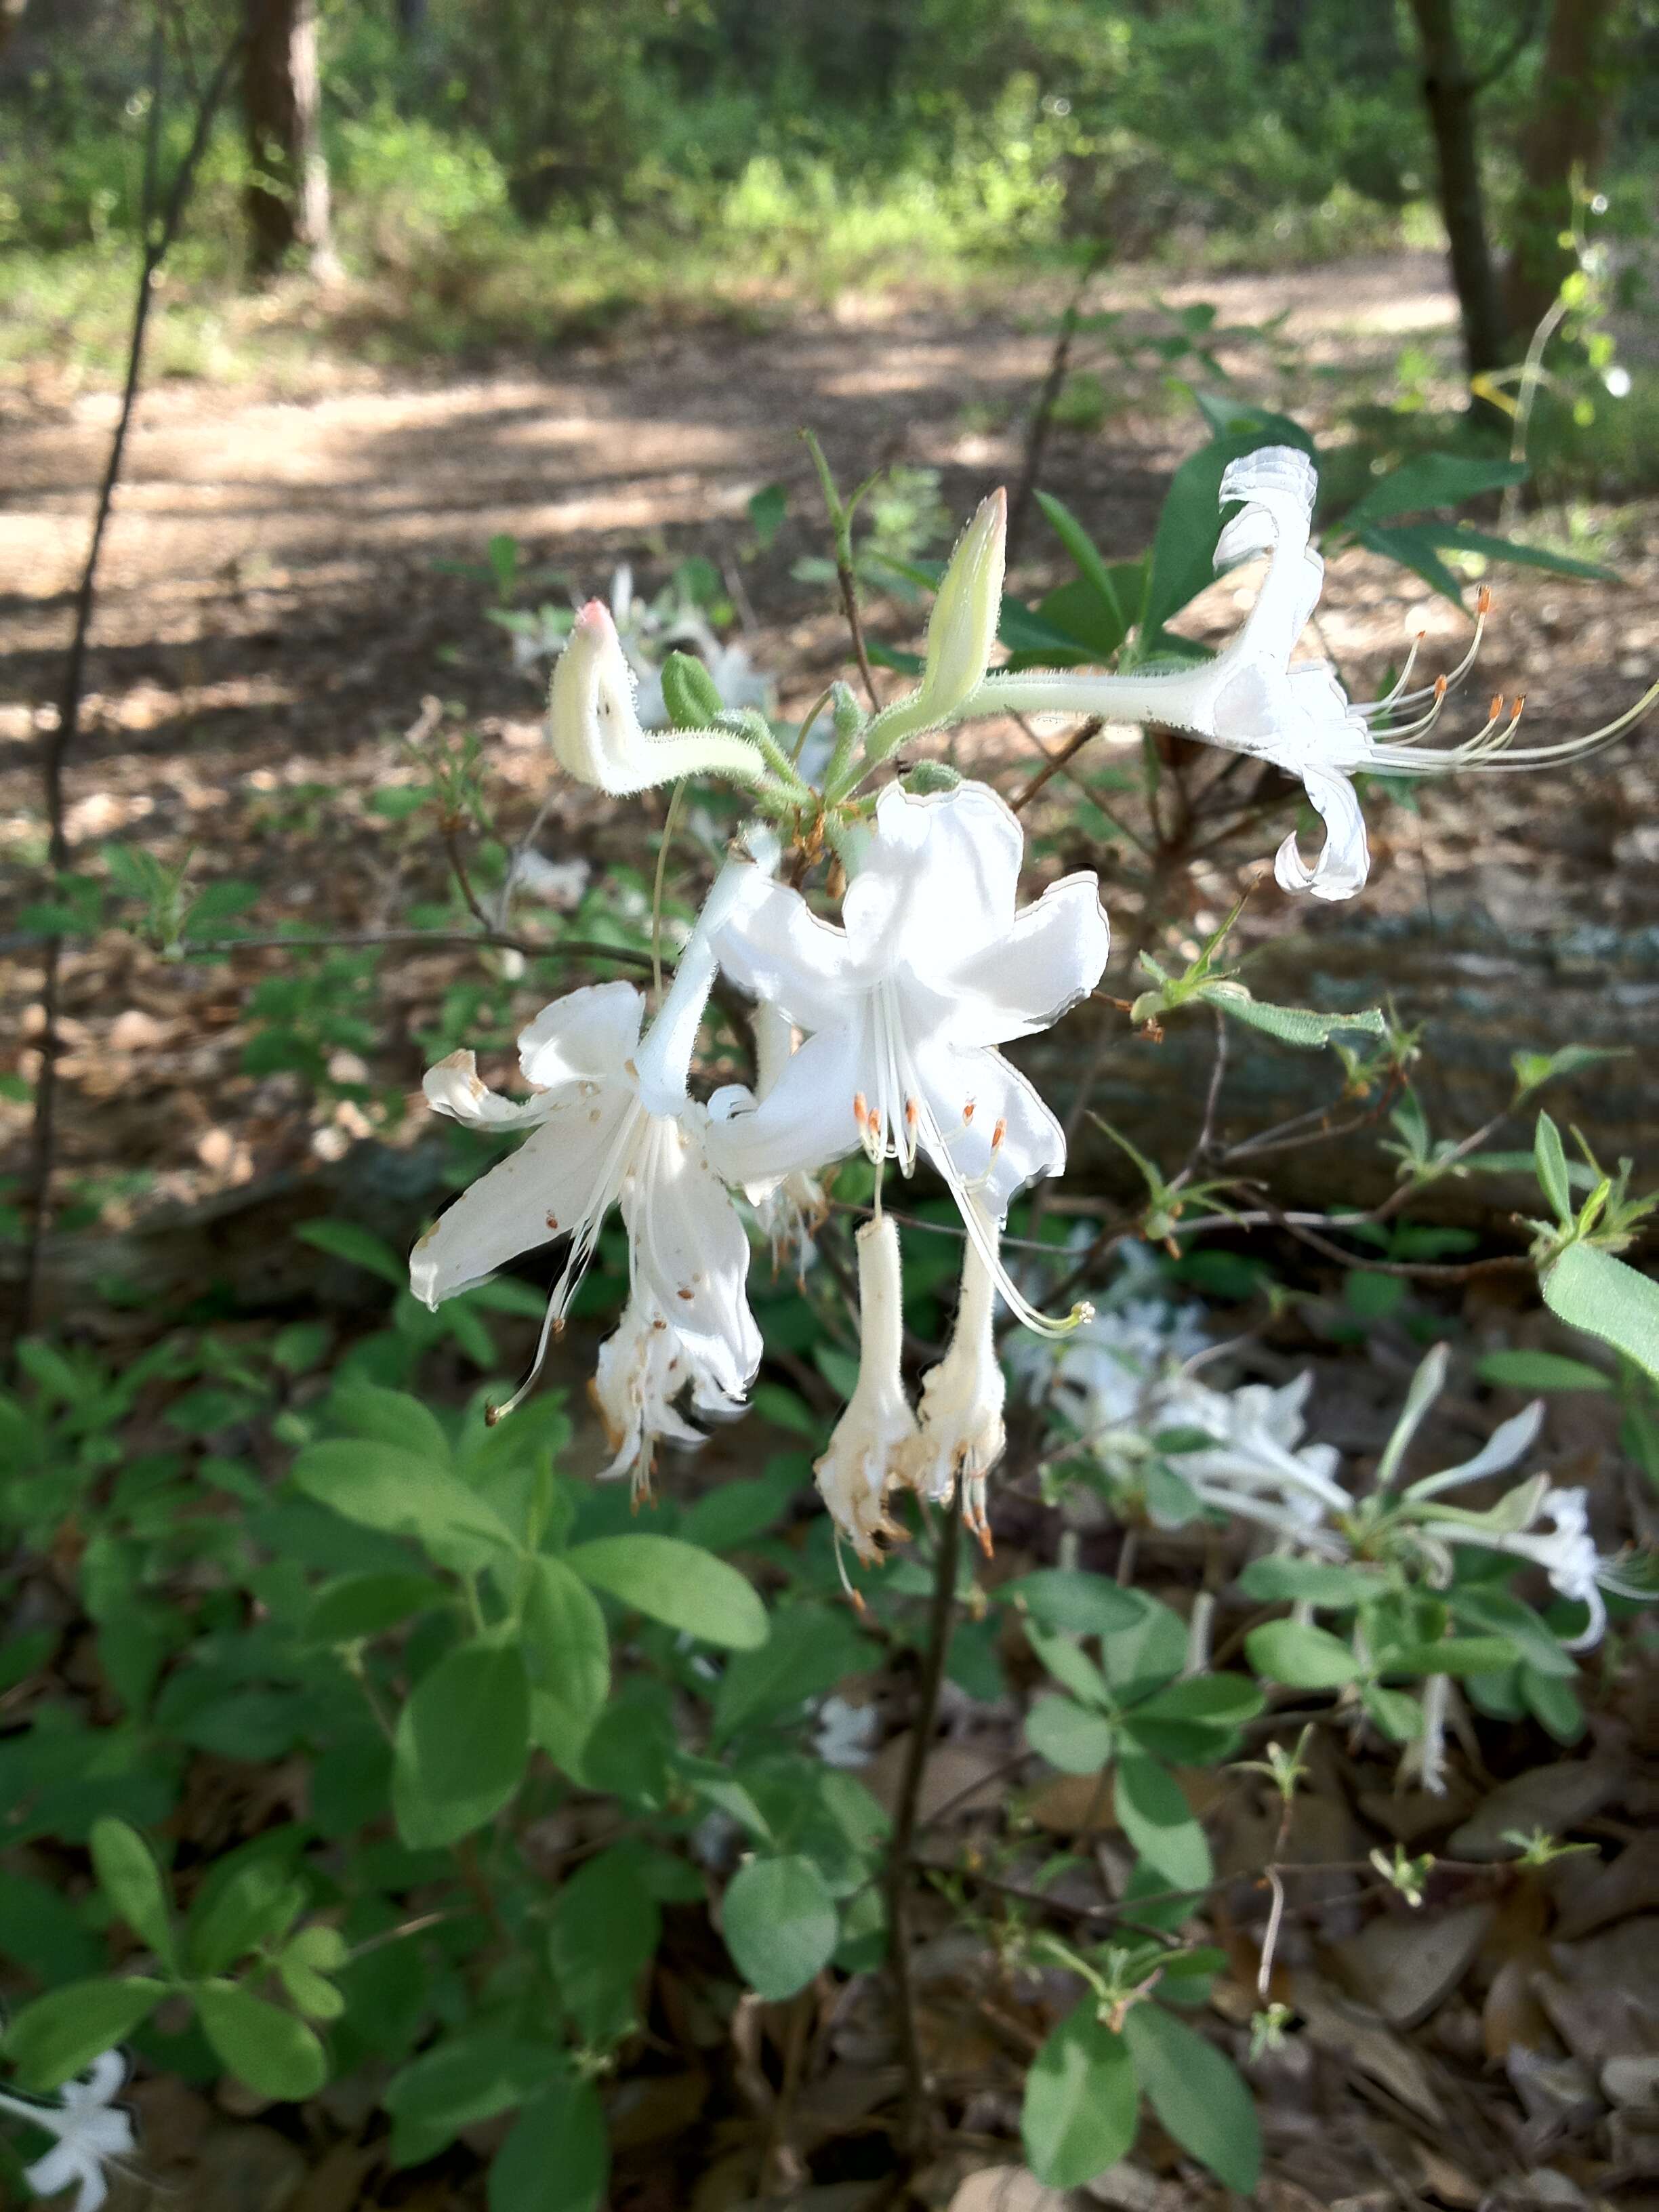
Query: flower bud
x=961, y=632
x=878, y=1425
x=594, y=726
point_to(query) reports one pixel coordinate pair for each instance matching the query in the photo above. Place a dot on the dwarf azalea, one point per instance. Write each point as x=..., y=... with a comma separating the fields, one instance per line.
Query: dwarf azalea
x=961, y=1436
x=1567, y=1554
x=1251, y=699
x=905, y=1004
x=877, y=1426
x=92, y=2132
x=595, y=728
x=598, y=1138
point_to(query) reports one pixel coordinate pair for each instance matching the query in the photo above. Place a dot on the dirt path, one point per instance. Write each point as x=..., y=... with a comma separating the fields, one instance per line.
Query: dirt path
x=273, y=614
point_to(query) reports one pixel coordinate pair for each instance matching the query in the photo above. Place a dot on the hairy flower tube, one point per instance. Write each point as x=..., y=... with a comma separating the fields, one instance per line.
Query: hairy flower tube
x=960, y=1436
x=92, y=2132
x=904, y=1008
x=1250, y=698
x=876, y=1426
x=595, y=1141
x=594, y=725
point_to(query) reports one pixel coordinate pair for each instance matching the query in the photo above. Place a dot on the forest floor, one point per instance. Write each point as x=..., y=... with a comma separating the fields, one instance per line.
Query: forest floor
x=279, y=597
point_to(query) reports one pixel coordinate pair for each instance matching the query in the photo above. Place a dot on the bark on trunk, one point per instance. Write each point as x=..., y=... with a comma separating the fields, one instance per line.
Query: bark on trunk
x=1568, y=129
x=287, y=197
x=1450, y=90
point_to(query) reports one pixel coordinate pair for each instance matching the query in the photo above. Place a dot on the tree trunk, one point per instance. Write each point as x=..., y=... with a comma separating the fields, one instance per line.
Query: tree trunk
x=1449, y=89
x=287, y=197
x=1568, y=129
x=11, y=14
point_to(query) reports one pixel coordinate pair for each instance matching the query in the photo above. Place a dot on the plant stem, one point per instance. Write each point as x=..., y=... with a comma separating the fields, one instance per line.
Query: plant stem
x=900, y=1866
x=159, y=233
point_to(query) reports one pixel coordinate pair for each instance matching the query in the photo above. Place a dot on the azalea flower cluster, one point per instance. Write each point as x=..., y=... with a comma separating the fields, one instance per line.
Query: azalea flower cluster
x=882, y=1032
x=1125, y=1384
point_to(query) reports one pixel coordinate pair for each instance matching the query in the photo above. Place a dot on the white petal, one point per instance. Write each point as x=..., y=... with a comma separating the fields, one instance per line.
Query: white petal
x=105, y=2076
x=1510, y=1440
x=1032, y=1142
x=940, y=880
x=538, y=1192
x=690, y=1253
x=588, y=1035
x=455, y=1087
x=1054, y=954
x=65, y=2163
x=1344, y=861
x=804, y=1122
x=774, y=946
x=663, y=1059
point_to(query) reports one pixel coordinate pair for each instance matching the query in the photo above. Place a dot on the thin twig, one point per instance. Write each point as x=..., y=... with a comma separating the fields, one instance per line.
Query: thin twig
x=1055, y=761
x=158, y=240
x=1042, y=414
x=900, y=1847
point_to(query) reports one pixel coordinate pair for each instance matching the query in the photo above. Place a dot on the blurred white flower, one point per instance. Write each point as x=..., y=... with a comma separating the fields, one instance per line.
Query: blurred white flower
x=1617, y=380
x=846, y=1733
x=91, y=2131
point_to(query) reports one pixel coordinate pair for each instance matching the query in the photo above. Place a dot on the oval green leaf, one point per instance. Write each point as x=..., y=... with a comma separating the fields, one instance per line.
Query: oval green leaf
x=1060, y=1731
x=1197, y=2094
x=779, y=1925
x=1080, y=2100
x=461, y=1744
x=129, y=1878
x=61, y=2033
x=272, y=2053
x=1302, y=1657
x=557, y=2158
x=676, y=1583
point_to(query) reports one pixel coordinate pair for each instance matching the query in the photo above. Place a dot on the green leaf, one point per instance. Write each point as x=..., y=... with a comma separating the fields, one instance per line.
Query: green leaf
x=61, y=2033
x=381, y=1487
x=567, y=1649
x=1080, y=2101
x=677, y=1585
x=1500, y=1612
x=1432, y=480
x=1156, y=1819
x=1071, y=1668
x=1592, y=1291
x=810, y=1650
x=257, y=1903
x=1449, y=1654
x=556, y=2157
x=601, y=1935
x=780, y=1925
x=461, y=1743
x=390, y=1417
x=129, y=1877
x=343, y=1240
x=1218, y=1701
x=767, y=509
x=1184, y=550
x=1090, y=565
x=1539, y=1370
x=272, y=2053
x=1197, y=2094
x=1551, y=1161
x=354, y=1607
x=1414, y=548
x=1076, y=1742
x=1276, y=1581
x=1305, y=1658
x=1461, y=538
x=1298, y=1025
x=1073, y=1601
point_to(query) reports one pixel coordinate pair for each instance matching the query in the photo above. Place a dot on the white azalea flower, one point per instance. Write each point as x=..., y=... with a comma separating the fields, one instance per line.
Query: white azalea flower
x=1258, y=1466
x=1103, y=1371
x=595, y=724
x=846, y=1733
x=91, y=2132
x=643, y=1370
x=602, y=1134
x=1567, y=1553
x=962, y=1437
x=876, y=1426
x=904, y=1005
x=1250, y=698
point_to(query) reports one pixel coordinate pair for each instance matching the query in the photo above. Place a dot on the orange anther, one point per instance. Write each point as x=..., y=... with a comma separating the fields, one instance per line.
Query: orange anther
x=1439, y=688
x=1495, y=708
x=968, y=1111
x=1483, y=600
x=861, y=1109
x=910, y=1112
x=998, y=1133
x=1519, y=702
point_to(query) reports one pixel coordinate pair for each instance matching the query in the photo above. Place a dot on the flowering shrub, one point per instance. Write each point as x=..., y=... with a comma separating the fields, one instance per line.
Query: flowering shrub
x=534, y=1729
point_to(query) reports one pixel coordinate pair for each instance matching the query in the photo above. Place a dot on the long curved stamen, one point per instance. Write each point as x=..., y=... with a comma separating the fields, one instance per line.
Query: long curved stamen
x=1407, y=733
x=1399, y=697
x=584, y=1242
x=1396, y=691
